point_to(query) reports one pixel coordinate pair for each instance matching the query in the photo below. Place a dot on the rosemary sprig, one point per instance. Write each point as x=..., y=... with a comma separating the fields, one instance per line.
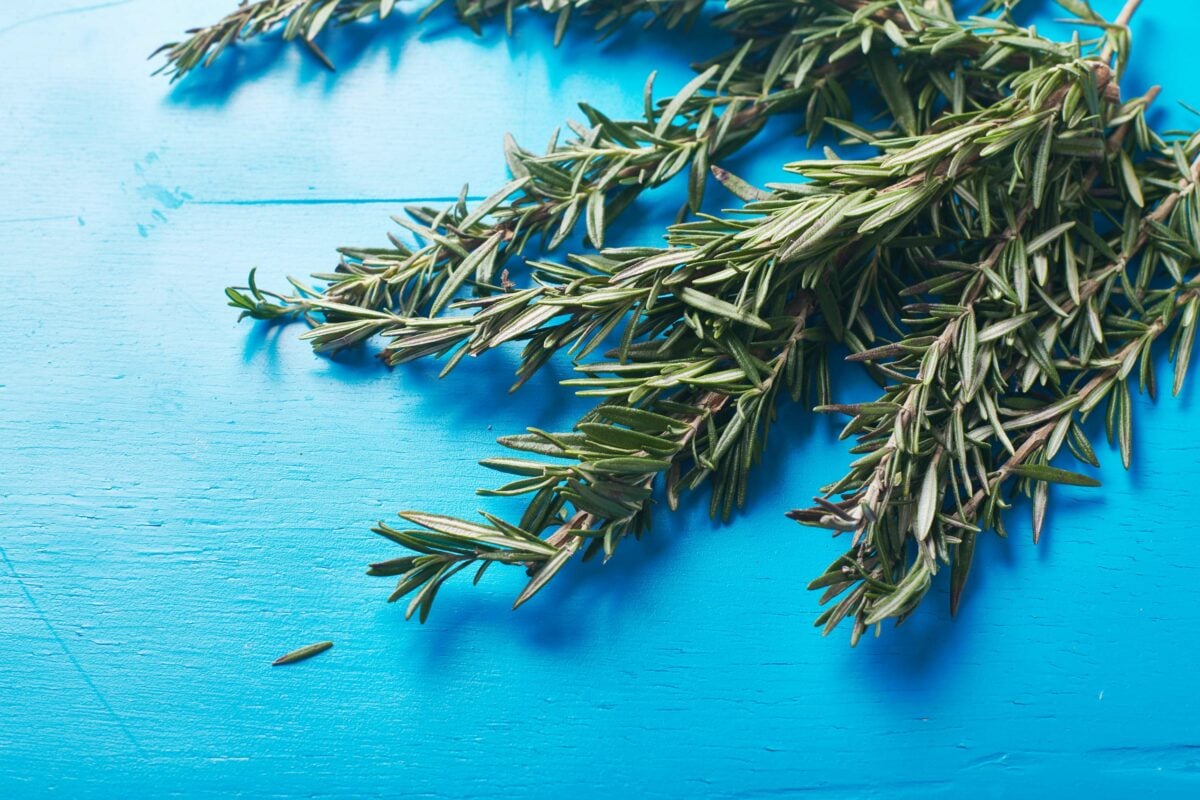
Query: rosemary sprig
x=595, y=176
x=304, y=20
x=699, y=423
x=728, y=268
x=961, y=427
x=300, y=19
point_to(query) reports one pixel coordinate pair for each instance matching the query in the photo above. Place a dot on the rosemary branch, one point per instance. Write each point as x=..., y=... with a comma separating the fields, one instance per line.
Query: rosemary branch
x=596, y=176
x=695, y=427
x=304, y=20
x=1063, y=324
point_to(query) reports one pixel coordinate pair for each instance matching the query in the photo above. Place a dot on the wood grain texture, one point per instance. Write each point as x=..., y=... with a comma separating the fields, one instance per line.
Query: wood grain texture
x=183, y=499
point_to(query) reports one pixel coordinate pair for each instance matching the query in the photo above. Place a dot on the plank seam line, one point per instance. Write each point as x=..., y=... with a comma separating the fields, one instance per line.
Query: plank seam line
x=62, y=13
x=70, y=656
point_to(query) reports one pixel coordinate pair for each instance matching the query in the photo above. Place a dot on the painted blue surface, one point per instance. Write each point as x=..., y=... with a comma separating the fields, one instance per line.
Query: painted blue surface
x=182, y=498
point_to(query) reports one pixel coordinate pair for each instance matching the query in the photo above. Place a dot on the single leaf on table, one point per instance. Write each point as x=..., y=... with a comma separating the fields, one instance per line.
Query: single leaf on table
x=300, y=654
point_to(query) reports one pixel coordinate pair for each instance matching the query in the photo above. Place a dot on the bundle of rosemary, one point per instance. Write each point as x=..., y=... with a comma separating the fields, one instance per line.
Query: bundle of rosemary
x=1002, y=266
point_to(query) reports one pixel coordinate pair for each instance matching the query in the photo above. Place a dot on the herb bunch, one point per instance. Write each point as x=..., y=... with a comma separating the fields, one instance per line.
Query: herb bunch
x=1003, y=267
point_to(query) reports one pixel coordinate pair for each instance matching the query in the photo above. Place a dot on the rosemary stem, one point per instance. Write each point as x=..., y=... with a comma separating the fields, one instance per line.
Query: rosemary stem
x=1122, y=21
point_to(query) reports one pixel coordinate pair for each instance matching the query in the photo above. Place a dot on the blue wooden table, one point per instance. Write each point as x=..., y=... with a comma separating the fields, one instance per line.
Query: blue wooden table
x=182, y=498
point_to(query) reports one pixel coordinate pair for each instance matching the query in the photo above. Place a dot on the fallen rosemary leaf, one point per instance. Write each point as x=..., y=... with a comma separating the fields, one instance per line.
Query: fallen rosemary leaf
x=301, y=654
